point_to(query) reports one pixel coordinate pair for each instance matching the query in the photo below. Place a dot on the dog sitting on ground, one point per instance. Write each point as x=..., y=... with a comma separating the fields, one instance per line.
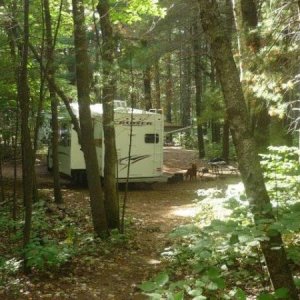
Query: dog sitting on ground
x=191, y=172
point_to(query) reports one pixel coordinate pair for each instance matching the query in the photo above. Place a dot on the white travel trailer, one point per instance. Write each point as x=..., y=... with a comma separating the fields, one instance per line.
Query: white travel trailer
x=146, y=155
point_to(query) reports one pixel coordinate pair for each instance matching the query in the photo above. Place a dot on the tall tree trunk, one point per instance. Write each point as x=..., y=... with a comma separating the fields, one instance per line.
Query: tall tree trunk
x=109, y=77
x=132, y=83
x=13, y=52
x=2, y=195
x=198, y=84
x=54, y=104
x=27, y=152
x=185, y=97
x=147, y=87
x=157, y=85
x=250, y=45
x=169, y=89
x=87, y=132
x=249, y=165
x=17, y=32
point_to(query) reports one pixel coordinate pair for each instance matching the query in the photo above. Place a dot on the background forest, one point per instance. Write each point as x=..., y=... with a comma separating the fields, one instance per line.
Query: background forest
x=227, y=71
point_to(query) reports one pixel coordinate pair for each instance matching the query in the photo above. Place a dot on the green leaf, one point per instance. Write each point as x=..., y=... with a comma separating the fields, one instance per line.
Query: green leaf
x=212, y=286
x=161, y=279
x=148, y=286
x=281, y=293
x=196, y=292
x=154, y=296
x=297, y=282
x=201, y=297
x=219, y=282
x=213, y=273
x=240, y=295
x=265, y=297
x=179, y=296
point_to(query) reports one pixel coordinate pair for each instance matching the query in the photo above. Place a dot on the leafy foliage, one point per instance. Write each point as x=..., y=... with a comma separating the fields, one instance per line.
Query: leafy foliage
x=216, y=255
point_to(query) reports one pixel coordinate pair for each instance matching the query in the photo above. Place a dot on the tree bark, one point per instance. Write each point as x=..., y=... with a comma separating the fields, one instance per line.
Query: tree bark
x=54, y=105
x=249, y=165
x=27, y=152
x=2, y=194
x=186, y=86
x=110, y=184
x=169, y=89
x=250, y=46
x=157, y=85
x=198, y=85
x=87, y=137
x=147, y=87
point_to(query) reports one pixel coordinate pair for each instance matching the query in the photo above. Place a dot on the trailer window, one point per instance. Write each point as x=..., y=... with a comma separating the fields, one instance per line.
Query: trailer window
x=151, y=138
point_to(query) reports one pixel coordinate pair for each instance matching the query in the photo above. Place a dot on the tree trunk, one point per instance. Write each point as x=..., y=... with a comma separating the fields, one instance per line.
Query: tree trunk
x=147, y=87
x=249, y=165
x=157, y=85
x=27, y=153
x=198, y=85
x=54, y=105
x=250, y=40
x=215, y=131
x=87, y=137
x=2, y=195
x=110, y=184
x=169, y=89
x=185, y=97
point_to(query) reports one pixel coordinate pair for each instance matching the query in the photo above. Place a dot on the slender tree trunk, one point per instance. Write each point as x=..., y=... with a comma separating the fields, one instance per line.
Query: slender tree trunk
x=157, y=85
x=27, y=153
x=109, y=77
x=17, y=32
x=169, y=89
x=97, y=77
x=15, y=154
x=215, y=131
x=250, y=46
x=249, y=165
x=147, y=87
x=186, y=86
x=13, y=51
x=87, y=137
x=54, y=105
x=198, y=85
x=133, y=92
x=2, y=195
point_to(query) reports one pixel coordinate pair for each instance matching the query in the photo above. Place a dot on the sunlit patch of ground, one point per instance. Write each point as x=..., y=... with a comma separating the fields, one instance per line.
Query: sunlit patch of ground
x=186, y=211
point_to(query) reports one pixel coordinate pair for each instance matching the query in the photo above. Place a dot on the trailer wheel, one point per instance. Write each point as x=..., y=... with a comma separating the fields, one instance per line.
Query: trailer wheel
x=79, y=177
x=75, y=178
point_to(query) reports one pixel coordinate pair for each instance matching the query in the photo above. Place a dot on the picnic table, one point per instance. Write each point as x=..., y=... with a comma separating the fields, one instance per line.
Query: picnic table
x=221, y=167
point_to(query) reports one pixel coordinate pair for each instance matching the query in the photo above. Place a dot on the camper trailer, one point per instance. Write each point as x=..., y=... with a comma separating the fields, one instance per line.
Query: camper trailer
x=146, y=153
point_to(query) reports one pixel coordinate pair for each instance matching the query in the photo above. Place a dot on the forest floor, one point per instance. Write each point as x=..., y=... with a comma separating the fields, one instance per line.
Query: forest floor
x=152, y=213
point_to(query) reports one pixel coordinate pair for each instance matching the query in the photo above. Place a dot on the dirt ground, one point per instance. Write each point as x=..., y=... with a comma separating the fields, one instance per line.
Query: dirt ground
x=153, y=211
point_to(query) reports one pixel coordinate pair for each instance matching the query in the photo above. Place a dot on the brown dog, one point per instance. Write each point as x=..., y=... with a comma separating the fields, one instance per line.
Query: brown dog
x=191, y=172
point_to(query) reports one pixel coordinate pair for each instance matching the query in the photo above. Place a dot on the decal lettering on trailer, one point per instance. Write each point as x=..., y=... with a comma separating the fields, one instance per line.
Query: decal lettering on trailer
x=133, y=159
x=134, y=123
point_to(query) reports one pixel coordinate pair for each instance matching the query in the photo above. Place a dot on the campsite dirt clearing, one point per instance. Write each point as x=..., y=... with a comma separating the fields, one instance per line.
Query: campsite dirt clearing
x=153, y=212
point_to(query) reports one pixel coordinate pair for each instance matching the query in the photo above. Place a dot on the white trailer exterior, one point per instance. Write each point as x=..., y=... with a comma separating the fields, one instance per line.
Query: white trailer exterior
x=146, y=154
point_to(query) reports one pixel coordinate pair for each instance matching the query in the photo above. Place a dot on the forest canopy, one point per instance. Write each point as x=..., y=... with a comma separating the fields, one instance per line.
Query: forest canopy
x=222, y=76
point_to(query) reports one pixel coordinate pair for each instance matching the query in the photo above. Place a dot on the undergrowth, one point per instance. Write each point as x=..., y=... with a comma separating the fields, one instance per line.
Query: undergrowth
x=218, y=256
x=59, y=238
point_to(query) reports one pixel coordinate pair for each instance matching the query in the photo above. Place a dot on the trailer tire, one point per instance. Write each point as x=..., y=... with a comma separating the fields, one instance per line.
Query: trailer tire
x=79, y=177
